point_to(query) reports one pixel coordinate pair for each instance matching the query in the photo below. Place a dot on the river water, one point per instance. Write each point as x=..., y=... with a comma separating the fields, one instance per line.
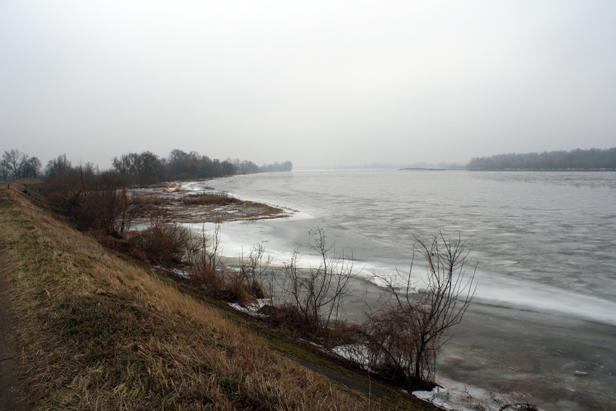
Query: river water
x=543, y=244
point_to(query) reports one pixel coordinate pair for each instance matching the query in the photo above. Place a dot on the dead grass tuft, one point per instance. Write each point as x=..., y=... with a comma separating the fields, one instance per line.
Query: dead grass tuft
x=210, y=199
x=150, y=200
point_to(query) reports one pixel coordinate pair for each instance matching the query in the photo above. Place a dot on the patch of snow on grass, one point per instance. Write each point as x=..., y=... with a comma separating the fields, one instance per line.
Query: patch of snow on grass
x=357, y=353
x=253, y=309
x=453, y=395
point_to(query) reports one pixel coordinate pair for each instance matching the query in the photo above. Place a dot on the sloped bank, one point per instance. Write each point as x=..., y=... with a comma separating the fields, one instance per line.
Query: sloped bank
x=101, y=332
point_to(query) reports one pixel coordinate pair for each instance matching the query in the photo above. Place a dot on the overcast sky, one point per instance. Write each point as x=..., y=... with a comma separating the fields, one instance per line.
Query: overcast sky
x=320, y=83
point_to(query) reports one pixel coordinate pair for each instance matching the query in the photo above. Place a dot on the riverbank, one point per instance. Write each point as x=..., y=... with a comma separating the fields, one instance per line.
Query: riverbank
x=100, y=330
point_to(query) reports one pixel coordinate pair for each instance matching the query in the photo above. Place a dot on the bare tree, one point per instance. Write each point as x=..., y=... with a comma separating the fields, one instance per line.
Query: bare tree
x=403, y=337
x=32, y=167
x=15, y=164
x=128, y=208
x=4, y=172
x=208, y=273
x=14, y=161
x=61, y=175
x=211, y=248
x=318, y=293
x=255, y=269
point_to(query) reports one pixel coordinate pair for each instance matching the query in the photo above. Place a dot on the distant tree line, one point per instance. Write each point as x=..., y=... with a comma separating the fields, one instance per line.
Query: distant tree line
x=149, y=168
x=131, y=168
x=593, y=159
x=179, y=165
x=286, y=166
x=15, y=164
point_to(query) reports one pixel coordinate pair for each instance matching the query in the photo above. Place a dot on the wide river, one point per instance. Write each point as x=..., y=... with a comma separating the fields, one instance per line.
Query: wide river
x=544, y=244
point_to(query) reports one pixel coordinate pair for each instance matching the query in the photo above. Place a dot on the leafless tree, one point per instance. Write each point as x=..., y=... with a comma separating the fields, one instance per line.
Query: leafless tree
x=403, y=337
x=14, y=161
x=255, y=269
x=242, y=286
x=15, y=164
x=128, y=209
x=211, y=248
x=61, y=175
x=317, y=293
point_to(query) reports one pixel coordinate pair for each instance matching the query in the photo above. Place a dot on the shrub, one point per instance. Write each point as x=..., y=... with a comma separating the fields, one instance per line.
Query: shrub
x=403, y=337
x=166, y=244
x=318, y=293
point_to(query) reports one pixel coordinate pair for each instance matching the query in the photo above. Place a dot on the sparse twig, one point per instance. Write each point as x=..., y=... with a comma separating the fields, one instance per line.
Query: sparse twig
x=405, y=334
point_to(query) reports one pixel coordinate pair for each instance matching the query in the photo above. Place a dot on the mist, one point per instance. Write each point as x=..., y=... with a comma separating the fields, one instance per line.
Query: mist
x=319, y=83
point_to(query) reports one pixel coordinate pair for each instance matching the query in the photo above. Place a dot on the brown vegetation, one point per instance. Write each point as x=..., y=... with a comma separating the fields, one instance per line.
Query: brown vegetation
x=210, y=198
x=402, y=338
x=97, y=332
x=315, y=296
x=172, y=204
x=405, y=334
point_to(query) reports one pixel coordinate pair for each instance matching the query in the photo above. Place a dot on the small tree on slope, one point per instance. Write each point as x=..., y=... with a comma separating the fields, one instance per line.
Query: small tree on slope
x=405, y=334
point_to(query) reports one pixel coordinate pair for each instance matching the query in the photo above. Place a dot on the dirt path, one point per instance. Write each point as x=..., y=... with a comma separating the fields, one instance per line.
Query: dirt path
x=8, y=360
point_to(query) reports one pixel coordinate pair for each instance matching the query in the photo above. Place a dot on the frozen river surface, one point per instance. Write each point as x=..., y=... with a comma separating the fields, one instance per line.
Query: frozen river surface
x=544, y=243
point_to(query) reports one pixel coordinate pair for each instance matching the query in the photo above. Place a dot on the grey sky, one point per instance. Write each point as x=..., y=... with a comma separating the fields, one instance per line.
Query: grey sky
x=317, y=83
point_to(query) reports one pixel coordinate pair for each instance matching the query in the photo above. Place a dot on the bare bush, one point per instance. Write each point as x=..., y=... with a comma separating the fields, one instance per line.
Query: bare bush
x=205, y=262
x=241, y=286
x=167, y=244
x=210, y=248
x=255, y=269
x=224, y=284
x=403, y=337
x=127, y=211
x=98, y=208
x=317, y=294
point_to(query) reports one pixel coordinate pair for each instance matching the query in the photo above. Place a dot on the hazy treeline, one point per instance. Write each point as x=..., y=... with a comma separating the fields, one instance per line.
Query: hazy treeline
x=133, y=168
x=179, y=165
x=593, y=159
x=15, y=164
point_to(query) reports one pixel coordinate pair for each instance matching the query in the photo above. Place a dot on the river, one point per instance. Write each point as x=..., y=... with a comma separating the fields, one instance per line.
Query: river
x=542, y=246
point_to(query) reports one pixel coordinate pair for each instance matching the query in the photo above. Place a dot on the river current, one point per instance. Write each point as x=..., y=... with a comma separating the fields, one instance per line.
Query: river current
x=543, y=244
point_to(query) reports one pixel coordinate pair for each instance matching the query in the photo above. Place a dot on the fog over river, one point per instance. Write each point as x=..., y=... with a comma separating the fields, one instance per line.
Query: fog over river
x=544, y=244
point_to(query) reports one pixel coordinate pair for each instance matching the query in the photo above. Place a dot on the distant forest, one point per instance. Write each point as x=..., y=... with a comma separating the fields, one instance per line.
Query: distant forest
x=133, y=168
x=593, y=159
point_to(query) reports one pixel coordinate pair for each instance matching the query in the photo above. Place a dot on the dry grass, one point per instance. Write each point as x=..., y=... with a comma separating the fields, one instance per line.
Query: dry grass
x=150, y=200
x=98, y=333
x=226, y=285
x=186, y=207
x=210, y=199
x=166, y=244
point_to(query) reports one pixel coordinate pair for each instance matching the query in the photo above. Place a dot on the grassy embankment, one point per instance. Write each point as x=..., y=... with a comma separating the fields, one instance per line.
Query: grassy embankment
x=100, y=331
